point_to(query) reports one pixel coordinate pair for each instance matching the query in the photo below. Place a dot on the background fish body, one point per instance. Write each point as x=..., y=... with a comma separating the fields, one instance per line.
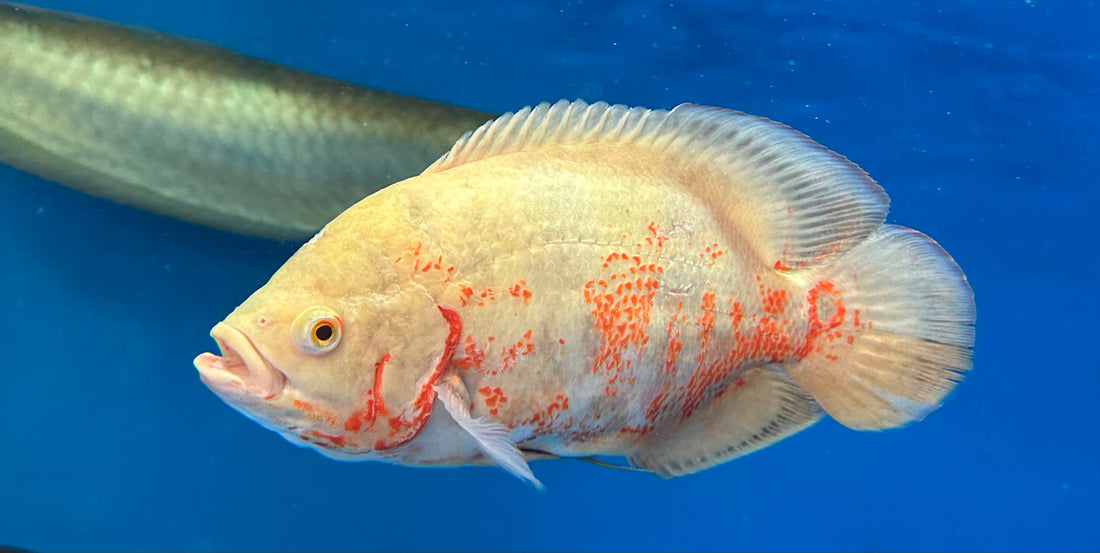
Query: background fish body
x=198, y=132
x=679, y=288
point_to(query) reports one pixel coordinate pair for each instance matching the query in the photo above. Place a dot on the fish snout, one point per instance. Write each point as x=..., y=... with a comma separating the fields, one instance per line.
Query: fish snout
x=240, y=369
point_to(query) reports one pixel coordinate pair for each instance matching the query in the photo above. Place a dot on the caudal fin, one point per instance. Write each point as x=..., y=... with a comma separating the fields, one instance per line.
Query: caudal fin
x=899, y=332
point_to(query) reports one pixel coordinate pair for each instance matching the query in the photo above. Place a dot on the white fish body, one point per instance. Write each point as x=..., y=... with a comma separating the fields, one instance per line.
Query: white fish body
x=677, y=287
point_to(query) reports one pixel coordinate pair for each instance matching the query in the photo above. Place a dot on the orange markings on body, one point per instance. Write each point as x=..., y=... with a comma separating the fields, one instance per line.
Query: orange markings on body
x=519, y=290
x=701, y=378
x=774, y=301
x=620, y=314
x=621, y=303
x=767, y=337
x=674, y=343
x=423, y=266
x=494, y=398
x=544, y=418
x=465, y=292
x=653, y=411
x=823, y=289
x=509, y=355
x=473, y=357
x=711, y=251
x=654, y=239
x=738, y=383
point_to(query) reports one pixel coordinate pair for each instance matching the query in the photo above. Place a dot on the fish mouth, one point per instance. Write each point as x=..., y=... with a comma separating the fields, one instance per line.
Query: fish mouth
x=240, y=369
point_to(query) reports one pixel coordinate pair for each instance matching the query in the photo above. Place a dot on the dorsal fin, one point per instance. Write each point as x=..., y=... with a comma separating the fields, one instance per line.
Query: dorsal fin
x=795, y=202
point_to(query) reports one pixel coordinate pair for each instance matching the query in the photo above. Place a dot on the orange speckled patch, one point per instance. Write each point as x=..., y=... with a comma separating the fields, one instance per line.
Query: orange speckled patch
x=419, y=262
x=509, y=355
x=544, y=419
x=621, y=305
x=493, y=397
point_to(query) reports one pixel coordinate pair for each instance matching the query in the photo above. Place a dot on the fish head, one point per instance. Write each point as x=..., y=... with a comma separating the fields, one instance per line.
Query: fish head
x=338, y=351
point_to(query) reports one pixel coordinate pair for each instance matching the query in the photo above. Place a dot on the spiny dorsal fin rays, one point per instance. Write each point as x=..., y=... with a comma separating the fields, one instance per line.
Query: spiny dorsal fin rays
x=789, y=199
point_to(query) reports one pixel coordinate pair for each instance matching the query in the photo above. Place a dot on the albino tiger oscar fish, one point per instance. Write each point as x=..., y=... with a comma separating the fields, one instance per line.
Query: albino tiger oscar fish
x=675, y=287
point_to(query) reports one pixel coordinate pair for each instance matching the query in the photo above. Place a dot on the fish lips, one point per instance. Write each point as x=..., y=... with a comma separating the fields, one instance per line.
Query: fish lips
x=240, y=370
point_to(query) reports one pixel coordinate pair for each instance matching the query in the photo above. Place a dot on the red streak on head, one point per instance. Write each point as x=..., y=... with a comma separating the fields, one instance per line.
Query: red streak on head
x=379, y=403
x=373, y=406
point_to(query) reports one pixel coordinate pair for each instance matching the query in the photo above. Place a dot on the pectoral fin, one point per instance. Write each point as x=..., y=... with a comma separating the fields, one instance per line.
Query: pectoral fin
x=492, y=437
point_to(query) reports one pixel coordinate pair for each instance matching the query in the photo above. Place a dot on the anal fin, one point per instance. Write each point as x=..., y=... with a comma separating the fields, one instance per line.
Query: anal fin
x=768, y=407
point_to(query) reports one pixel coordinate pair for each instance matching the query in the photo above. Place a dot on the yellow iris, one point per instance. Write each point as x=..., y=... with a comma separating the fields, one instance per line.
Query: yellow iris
x=316, y=330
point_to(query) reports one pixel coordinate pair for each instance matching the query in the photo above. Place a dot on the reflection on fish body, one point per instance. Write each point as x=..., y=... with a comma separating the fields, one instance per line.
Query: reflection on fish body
x=677, y=287
x=198, y=132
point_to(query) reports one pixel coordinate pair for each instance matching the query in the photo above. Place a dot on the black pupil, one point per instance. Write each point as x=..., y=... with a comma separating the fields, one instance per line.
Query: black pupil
x=323, y=332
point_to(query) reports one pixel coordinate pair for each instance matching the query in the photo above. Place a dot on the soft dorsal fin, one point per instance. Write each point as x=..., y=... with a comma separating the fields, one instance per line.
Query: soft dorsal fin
x=795, y=202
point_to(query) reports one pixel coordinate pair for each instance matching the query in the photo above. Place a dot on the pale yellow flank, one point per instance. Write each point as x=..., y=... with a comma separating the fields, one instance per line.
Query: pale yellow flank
x=676, y=287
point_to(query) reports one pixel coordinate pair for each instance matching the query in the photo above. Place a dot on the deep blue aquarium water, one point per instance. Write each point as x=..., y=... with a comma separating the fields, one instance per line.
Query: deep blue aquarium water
x=980, y=119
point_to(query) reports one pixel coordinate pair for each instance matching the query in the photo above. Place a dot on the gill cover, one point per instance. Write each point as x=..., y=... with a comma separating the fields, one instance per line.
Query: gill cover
x=415, y=338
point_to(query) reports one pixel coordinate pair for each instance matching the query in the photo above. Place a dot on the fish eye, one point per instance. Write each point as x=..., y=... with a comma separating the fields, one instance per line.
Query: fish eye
x=316, y=330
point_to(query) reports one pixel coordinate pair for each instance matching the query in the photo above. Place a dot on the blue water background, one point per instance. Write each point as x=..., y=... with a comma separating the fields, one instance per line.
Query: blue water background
x=979, y=119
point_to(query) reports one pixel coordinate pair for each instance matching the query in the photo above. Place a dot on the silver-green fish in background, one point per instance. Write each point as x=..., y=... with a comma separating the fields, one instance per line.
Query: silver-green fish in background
x=197, y=132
